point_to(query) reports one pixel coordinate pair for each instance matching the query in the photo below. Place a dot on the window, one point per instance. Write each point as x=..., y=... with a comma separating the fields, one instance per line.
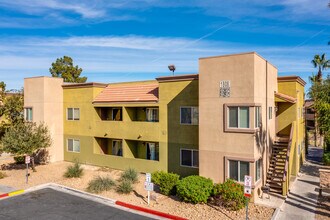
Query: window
x=270, y=112
x=189, y=158
x=189, y=115
x=28, y=114
x=238, y=117
x=152, y=151
x=238, y=169
x=116, y=114
x=117, y=149
x=73, y=114
x=257, y=116
x=73, y=145
x=258, y=169
x=152, y=114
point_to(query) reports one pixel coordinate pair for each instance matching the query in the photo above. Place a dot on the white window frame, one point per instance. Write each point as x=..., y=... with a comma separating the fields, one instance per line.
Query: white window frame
x=26, y=115
x=238, y=117
x=239, y=169
x=192, y=157
x=73, y=140
x=73, y=116
x=147, y=114
x=192, y=115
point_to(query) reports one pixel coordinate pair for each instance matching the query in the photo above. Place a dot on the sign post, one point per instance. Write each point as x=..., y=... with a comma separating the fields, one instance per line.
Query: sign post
x=148, y=185
x=27, y=161
x=247, y=192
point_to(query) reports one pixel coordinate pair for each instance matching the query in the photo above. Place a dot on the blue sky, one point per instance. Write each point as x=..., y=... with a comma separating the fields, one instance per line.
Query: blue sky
x=136, y=39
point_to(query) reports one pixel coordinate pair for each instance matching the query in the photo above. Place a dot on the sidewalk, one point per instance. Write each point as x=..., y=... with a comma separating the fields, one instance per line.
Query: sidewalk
x=301, y=202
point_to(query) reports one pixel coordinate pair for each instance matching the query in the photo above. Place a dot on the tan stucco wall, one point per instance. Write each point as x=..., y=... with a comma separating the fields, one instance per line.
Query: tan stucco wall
x=247, y=75
x=45, y=96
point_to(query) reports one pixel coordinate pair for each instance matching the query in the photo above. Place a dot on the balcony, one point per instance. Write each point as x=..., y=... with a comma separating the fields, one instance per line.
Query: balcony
x=133, y=130
x=110, y=113
x=149, y=114
x=142, y=150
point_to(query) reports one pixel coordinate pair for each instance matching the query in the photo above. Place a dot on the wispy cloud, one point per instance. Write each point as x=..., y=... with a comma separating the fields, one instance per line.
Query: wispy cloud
x=125, y=58
x=85, y=11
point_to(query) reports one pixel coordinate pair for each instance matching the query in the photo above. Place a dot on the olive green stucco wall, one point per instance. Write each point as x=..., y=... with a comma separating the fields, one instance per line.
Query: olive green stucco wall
x=133, y=130
x=90, y=127
x=174, y=95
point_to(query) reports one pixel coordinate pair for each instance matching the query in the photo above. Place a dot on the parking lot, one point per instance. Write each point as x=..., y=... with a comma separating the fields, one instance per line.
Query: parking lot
x=51, y=204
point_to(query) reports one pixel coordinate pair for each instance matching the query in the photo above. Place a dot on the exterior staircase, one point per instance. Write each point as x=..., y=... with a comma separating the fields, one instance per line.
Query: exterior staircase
x=277, y=164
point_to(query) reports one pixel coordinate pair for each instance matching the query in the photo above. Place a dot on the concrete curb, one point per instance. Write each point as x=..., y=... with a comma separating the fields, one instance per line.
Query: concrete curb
x=13, y=193
x=149, y=211
x=274, y=217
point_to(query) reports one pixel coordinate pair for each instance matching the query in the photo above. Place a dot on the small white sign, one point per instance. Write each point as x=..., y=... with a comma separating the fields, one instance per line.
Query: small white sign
x=148, y=177
x=27, y=159
x=247, y=181
x=148, y=186
x=247, y=190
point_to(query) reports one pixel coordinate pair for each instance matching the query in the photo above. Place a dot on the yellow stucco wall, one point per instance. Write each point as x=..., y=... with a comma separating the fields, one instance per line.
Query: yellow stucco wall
x=292, y=112
x=90, y=126
x=168, y=132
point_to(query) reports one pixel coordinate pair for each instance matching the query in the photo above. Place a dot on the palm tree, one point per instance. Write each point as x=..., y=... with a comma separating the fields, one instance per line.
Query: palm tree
x=322, y=63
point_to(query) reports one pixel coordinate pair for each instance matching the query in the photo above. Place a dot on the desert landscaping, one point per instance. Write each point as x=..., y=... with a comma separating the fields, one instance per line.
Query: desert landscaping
x=53, y=173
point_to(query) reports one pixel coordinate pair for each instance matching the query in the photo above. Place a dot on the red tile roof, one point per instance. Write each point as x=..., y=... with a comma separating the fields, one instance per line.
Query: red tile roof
x=129, y=93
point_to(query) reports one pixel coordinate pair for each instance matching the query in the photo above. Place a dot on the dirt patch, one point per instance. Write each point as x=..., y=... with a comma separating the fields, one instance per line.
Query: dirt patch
x=54, y=173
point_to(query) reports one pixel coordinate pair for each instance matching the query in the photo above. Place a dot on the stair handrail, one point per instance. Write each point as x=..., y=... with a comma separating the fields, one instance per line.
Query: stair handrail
x=287, y=162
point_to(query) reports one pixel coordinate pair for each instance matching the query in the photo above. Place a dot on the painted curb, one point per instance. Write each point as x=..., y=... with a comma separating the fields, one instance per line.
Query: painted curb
x=149, y=211
x=14, y=193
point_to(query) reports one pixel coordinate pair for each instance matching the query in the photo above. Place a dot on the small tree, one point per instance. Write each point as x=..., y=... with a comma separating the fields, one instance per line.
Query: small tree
x=26, y=139
x=11, y=109
x=63, y=67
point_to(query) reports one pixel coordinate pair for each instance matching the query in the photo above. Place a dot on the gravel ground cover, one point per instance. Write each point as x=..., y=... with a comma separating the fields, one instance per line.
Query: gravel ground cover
x=54, y=173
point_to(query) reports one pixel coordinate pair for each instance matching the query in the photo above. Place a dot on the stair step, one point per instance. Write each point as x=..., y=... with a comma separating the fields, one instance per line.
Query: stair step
x=277, y=164
x=278, y=159
x=276, y=168
x=275, y=183
x=275, y=173
x=284, y=150
x=280, y=147
x=275, y=190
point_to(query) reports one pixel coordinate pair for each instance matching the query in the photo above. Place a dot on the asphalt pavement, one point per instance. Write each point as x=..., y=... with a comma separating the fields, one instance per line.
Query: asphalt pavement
x=50, y=204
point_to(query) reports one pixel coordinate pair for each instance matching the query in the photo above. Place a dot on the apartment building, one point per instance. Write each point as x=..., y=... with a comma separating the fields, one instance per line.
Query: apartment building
x=235, y=118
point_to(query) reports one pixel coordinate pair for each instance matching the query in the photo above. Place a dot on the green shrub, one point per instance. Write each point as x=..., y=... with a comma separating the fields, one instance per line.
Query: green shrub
x=230, y=194
x=124, y=187
x=19, y=159
x=195, y=189
x=100, y=184
x=2, y=175
x=74, y=170
x=130, y=174
x=166, y=181
x=326, y=158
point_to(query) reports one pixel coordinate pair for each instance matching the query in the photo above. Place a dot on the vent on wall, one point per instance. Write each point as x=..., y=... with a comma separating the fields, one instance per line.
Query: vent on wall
x=225, y=88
